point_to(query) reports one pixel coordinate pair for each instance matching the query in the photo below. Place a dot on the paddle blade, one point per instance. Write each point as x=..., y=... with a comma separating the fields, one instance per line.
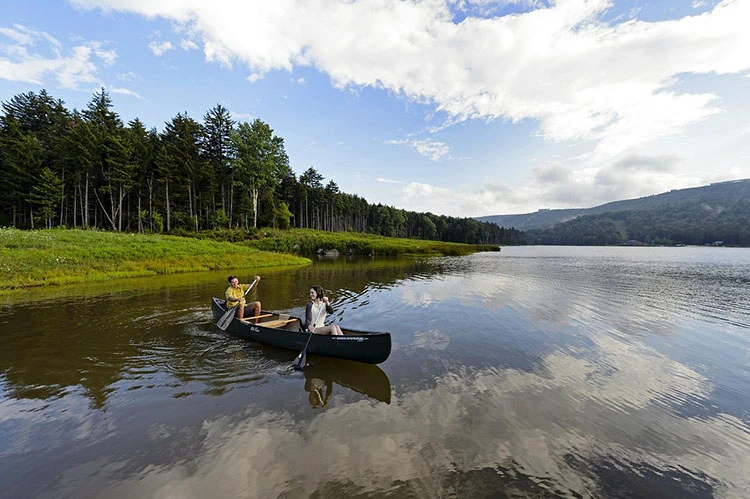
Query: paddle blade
x=226, y=319
x=301, y=361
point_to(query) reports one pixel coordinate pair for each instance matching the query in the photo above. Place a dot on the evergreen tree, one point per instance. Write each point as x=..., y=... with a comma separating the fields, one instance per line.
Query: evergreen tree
x=112, y=169
x=218, y=151
x=46, y=195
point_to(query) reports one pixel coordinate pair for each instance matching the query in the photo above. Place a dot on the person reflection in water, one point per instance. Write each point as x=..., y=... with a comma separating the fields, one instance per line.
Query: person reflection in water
x=320, y=392
x=315, y=313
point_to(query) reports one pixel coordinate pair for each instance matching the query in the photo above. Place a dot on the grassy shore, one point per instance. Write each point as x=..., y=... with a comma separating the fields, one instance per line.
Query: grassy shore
x=42, y=257
x=308, y=242
x=31, y=258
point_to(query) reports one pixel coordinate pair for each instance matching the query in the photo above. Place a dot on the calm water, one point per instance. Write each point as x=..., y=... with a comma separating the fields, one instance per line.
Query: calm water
x=534, y=372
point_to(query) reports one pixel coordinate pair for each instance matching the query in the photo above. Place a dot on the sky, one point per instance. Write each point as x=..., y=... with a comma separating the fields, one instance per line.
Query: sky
x=462, y=108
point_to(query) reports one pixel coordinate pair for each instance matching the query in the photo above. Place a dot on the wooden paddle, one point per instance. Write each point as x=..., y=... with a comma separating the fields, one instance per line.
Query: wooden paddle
x=301, y=361
x=226, y=319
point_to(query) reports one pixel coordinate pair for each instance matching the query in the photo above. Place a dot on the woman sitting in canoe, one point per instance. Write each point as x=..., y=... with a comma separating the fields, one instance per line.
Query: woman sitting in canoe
x=318, y=307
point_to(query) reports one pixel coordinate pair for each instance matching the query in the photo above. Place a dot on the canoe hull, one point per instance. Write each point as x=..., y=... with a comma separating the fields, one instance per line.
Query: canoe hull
x=360, y=346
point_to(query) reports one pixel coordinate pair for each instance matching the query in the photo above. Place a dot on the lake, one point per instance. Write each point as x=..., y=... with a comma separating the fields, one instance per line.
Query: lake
x=532, y=372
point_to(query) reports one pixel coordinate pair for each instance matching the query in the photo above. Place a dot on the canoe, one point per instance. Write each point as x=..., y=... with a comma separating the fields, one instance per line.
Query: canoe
x=283, y=331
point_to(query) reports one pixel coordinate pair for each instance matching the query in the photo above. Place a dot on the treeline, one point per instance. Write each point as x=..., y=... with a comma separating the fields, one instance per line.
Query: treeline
x=88, y=169
x=679, y=223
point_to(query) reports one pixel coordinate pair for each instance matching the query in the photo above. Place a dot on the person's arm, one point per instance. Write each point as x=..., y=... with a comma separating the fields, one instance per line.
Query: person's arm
x=308, y=315
x=245, y=287
x=231, y=300
x=329, y=308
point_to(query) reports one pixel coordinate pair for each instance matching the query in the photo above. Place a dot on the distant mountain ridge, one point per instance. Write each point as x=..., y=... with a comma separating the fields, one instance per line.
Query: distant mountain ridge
x=718, y=193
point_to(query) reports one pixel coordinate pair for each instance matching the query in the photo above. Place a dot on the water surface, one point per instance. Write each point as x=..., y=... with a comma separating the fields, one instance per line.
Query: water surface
x=533, y=372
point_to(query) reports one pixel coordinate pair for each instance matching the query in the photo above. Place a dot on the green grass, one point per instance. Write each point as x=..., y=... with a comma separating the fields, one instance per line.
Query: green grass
x=57, y=256
x=30, y=258
x=307, y=242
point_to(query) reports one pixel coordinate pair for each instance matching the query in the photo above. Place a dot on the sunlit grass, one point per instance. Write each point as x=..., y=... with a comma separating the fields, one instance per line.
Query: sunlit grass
x=306, y=242
x=44, y=257
x=31, y=258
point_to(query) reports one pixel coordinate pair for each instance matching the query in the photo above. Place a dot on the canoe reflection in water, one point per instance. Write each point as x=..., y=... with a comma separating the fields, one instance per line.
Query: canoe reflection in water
x=322, y=372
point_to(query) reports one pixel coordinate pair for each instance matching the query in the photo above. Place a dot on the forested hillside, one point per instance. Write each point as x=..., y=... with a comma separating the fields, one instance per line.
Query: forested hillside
x=693, y=216
x=87, y=169
x=718, y=194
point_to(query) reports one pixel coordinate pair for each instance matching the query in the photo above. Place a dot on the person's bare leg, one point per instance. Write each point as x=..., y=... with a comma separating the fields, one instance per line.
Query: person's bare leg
x=324, y=330
x=255, y=309
x=240, y=311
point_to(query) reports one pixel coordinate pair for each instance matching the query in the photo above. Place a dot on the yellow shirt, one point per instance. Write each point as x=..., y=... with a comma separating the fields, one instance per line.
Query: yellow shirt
x=237, y=292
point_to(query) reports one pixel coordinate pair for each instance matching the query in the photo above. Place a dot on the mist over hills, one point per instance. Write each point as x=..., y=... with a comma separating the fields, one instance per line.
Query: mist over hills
x=719, y=212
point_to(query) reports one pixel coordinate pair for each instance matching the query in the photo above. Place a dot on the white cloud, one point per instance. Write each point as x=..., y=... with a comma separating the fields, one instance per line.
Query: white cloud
x=109, y=56
x=188, y=45
x=426, y=147
x=387, y=181
x=160, y=48
x=242, y=116
x=579, y=77
x=24, y=35
x=36, y=54
x=125, y=91
x=129, y=76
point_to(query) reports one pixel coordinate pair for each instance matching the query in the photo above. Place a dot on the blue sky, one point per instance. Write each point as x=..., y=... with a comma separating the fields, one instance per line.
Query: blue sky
x=458, y=107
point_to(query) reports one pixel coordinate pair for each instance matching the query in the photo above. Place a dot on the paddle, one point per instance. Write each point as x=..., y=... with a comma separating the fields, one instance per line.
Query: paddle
x=301, y=361
x=226, y=319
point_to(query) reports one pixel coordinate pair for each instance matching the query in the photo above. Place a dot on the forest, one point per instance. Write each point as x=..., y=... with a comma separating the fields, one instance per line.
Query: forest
x=87, y=169
x=683, y=222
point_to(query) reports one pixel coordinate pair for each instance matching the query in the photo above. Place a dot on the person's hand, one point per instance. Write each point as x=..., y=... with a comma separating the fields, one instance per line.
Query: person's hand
x=325, y=299
x=257, y=278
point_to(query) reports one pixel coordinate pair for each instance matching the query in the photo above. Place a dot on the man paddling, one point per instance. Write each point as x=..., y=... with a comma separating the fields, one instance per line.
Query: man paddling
x=235, y=296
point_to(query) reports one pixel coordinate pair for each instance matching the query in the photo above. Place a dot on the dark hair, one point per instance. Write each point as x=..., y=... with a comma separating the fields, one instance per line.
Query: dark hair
x=229, y=279
x=318, y=291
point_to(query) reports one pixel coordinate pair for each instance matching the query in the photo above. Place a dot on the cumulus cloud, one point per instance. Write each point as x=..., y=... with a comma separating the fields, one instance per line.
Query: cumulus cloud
x=160, y=48
x=557, y=63
x=188, y=45
x=432, y=149
x=661, y=164
x=33, y=54
x=422, y=197
x=557, y=184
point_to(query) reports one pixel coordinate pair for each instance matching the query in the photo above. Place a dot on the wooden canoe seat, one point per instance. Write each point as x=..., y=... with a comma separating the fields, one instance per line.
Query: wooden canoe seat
x=245, y=319
x=283, y=320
